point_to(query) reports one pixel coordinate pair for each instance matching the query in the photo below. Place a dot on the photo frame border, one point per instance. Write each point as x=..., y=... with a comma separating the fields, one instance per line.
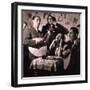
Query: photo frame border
x=14, y=43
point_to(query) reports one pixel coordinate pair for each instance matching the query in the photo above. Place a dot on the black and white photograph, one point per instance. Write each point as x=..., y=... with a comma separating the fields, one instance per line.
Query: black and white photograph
x=49, y=44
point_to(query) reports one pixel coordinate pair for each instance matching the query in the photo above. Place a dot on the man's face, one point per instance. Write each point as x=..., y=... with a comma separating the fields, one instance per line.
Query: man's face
x=50, y=21
x=71, y=35
x=36, y=21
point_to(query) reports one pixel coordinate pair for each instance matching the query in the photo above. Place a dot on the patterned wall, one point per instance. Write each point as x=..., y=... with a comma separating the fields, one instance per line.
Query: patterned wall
x=67, y=19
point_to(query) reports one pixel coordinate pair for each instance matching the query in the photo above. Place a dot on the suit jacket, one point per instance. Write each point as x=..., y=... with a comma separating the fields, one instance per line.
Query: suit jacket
x=74, y=65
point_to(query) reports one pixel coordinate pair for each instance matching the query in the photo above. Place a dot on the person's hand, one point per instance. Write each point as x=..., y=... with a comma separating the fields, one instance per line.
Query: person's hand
x=58, y=37
x=66, y=52
x=54, y=23
x=76, y=42
x=49, y=33
x=38, y=40
x=52, y=44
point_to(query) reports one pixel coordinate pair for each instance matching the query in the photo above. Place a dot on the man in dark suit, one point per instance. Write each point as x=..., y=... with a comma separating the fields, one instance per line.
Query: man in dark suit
x=74, y=65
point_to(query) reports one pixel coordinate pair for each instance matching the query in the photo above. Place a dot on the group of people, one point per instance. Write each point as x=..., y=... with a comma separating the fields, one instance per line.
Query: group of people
x=52, y=35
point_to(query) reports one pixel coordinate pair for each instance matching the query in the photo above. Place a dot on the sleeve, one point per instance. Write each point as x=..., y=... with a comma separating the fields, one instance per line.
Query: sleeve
x=66, y=49
x=27, y=38
x=52, y=45
x=44, y=30
x=61, y=29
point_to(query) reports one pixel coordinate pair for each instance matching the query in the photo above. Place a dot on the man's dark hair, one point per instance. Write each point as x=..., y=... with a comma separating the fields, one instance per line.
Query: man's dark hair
x=54, y=19
x=35, y=17
x=49, y=16
x=78, y=25
x=75, y=30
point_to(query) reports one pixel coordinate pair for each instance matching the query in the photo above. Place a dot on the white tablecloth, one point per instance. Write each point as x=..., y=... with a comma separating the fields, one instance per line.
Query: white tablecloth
x=44, y=64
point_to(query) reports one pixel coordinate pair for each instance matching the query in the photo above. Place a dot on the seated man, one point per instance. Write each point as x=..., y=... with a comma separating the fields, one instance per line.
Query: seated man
x=73, y=51
x=69, y=51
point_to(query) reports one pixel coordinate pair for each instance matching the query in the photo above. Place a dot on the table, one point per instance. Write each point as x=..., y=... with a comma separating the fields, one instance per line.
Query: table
x=50, y=65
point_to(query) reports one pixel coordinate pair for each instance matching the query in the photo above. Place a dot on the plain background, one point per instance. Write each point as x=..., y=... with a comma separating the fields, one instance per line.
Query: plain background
x=5, y=46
